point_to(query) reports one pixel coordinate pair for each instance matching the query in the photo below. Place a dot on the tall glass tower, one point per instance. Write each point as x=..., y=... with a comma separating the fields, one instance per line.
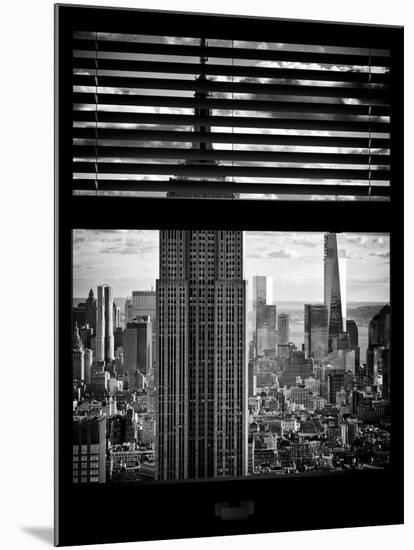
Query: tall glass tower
x=334, y=288
x=262, y=295
x=104, y=340
x=316, y=331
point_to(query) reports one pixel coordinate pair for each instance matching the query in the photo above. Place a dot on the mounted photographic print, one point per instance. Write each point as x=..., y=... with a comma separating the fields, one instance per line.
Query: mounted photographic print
x=228, y=272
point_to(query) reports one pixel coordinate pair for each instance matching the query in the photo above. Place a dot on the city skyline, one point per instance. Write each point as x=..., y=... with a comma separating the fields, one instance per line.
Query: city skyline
x=99, y=256
x=211, y=393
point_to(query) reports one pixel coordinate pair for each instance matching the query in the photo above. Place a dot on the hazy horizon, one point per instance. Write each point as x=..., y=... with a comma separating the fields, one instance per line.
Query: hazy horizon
x=128, y=260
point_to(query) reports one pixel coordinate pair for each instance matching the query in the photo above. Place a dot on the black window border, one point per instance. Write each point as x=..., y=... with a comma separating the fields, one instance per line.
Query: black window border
x=119, y=513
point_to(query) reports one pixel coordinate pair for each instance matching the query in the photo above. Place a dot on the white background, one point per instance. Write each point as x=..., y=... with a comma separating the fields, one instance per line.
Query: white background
x=26, y=274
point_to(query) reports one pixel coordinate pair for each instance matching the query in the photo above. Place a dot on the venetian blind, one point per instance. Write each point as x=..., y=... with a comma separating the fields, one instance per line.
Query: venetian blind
x=206, y=117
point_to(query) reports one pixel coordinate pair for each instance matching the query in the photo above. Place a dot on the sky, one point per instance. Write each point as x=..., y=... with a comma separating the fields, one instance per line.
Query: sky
x=128, y=260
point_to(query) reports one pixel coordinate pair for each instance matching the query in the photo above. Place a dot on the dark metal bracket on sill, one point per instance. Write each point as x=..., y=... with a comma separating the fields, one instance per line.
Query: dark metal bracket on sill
x=226, y=512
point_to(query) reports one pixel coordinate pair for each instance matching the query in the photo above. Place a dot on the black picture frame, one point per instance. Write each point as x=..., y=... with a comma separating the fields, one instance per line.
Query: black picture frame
x=192, y=509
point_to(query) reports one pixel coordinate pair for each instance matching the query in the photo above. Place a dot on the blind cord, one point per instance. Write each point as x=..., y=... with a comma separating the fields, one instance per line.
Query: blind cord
x=232, y=111
x=369, y=125
x=96, y=113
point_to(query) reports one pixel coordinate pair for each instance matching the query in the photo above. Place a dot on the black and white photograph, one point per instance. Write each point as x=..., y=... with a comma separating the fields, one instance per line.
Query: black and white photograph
x=203, y=354
x=184, y=364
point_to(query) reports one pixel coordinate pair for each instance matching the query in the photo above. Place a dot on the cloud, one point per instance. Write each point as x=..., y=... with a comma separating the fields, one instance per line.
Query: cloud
x=119, y=250
x=135, y=249
x=368, y=241
x=310, y=242
x=136, y=246
x=284, y=253
x=114, y=242
x=360, y=240
x=263, y=234
x=280, y=253
x=379, y=254
x=369, y=281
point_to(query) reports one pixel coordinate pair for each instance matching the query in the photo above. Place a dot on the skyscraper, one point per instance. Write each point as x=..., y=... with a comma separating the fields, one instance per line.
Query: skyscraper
x=379, y=333
x=385, y=364
x=264, y=313
x=316, y=331
x=283, y=336
x=109, y=324
x=78, y=315
x=201, y=310
x=201, y=319
x=259, y=301
x=141, y=304
x=116, y=317
x=90, y=311
x=88, y=363
x=297, y=366
x=118, y=339
x=334, y=288
x=86, y=335
x=379, y=338
x=89, y=449
x=100, y=326
x=352, y=330
x=137, y=343
x=104, y=340
x=266, y=331
x=78, y=356
x=283, y=328
x=336, y=383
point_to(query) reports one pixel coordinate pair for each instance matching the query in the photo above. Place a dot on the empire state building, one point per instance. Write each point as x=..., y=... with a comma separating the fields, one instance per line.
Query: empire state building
x=202, y=387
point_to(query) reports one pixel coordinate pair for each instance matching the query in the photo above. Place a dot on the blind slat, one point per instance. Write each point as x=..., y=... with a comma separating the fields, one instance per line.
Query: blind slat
x=233, y=137
x=228, y=70
x=311, y=107
x=231, y=187
x=231, y=121
x=195, y=170
x=159, y=114
x=288, y=89
x=232, y=53
x=214, y=154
